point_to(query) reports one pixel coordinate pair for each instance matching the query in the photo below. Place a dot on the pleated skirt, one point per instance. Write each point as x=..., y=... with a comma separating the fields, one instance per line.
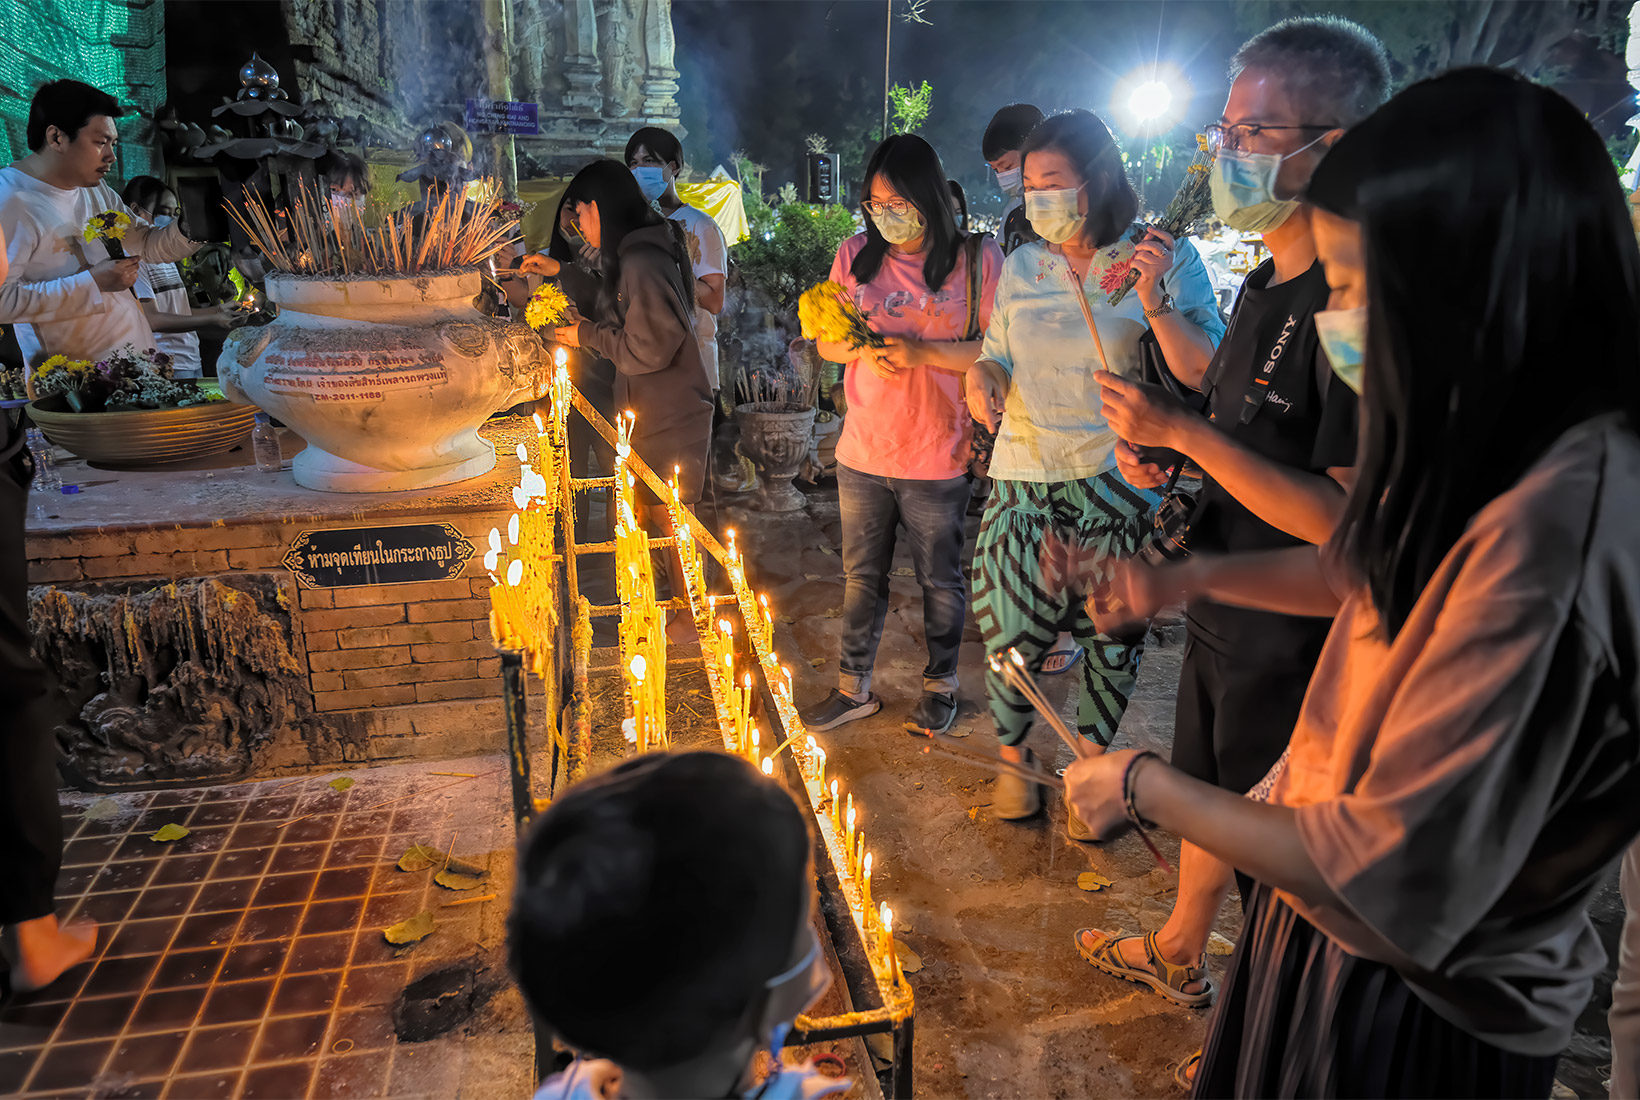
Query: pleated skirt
x=1301, y=1017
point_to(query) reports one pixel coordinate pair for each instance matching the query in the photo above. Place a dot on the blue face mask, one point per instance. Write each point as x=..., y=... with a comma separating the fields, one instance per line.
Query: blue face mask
x=1343, y=334
x=651, y=181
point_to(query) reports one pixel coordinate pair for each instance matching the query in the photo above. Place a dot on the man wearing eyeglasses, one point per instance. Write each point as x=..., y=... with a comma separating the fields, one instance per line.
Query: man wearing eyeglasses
x=1276, y=449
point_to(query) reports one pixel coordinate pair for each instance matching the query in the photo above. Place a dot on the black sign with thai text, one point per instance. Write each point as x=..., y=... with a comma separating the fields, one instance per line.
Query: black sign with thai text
x=346, y=557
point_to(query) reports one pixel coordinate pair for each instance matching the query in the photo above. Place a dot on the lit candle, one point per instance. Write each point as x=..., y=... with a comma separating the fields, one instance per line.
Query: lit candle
x=833, y=807
x=891, y=957
x=753, y=751
x=746, y=702
x=848, y=835
x=865, y=884
x=820, y=780
x=768, y=766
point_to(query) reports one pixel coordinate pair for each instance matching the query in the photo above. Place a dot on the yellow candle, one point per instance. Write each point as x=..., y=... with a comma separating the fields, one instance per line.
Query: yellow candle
x=865, y=884
x=885, y=916
x=753, y=751
x=832, y=809
x=848, y=835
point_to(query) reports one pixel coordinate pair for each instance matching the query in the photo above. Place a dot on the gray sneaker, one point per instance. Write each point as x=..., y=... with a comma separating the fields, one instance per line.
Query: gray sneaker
x=838, y=709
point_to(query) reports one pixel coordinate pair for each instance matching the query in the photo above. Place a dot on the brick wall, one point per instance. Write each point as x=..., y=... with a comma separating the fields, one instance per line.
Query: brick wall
x=395, y=670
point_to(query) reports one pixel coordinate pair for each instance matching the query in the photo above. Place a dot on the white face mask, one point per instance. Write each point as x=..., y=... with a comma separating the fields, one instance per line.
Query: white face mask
x=1053, y=214
x=899, y=228
x=1011, y=181
x=651, y=181
x=1243, y=186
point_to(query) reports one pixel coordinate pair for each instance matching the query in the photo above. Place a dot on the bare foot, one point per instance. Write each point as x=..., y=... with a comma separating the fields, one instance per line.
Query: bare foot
x=42, y=950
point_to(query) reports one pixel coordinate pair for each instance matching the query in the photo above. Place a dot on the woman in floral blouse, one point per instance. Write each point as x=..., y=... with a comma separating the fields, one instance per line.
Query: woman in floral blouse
x=1054, y=463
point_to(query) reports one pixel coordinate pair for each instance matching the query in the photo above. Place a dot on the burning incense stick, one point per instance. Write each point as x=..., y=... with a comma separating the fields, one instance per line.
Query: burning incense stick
x=956, y=750
x=1013, y=670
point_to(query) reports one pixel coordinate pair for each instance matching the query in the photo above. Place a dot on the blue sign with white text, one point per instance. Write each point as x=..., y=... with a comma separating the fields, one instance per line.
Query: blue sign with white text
x=501, y=116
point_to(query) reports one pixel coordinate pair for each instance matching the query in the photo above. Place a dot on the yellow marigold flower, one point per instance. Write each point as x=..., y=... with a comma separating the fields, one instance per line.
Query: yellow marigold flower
x=547, y=306
x=109, y=225
x=828, y=313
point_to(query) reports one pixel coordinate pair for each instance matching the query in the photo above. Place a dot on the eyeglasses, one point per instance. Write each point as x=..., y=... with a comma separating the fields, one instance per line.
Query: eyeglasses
x=1237, y=135
x=897, y=207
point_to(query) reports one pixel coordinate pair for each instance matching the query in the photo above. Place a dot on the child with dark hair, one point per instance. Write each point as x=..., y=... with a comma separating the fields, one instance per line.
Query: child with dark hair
x=1001, y=146
x=698, y=843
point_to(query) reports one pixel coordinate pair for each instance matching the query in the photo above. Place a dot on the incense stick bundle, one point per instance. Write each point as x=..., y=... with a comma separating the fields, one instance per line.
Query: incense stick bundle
x=1014, y=672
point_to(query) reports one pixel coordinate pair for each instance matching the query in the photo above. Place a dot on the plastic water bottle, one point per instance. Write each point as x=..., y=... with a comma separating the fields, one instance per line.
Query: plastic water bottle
x=265, y=445
x=46, y=478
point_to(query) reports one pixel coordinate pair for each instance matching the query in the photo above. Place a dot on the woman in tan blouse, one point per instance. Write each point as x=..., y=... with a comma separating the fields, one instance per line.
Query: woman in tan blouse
x=1467, y=763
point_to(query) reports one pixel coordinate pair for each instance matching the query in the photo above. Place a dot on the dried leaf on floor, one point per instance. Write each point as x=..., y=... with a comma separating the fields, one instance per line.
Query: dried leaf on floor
x=902, y=571
x=419, y=857
x=817, y=661
x=463, y=868
x=452, y=880
x=341, y=783
x=168, y=832
x=102, y=810
x=1091, y=881
x=412, y=930
x=1218, y=945
x=910, y=961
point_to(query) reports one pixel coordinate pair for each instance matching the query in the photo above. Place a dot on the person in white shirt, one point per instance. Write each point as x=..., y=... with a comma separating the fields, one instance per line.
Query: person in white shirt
x=161, y=290
x=66, y=294
x=656, y=159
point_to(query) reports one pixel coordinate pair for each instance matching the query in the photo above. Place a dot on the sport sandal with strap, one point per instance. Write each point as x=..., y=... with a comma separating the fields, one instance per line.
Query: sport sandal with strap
x=1164, y=977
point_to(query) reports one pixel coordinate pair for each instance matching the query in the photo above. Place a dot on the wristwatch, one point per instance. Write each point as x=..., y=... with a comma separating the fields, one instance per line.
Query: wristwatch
x=1162, y=310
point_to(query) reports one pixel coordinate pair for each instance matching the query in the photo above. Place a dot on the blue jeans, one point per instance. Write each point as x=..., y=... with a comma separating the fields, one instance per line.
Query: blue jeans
x=933, y=513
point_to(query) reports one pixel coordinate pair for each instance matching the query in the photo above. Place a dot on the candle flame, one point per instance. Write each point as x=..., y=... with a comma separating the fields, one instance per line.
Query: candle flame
x=560, y=357
x=768, y=766
x=523, y=455
x=887, y=916
x=639, y=666
x=512, y=529
x=1013, y=655
x=515, y=572
x=834, y=790
x=851, y=819
x=539, y=426
x=867, y=873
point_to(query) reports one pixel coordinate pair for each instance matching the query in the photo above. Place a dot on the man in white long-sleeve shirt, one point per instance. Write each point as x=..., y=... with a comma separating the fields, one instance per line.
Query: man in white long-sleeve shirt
x=66, y=294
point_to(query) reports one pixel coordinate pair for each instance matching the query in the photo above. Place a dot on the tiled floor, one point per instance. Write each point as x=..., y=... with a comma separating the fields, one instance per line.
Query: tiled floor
x=247, y=959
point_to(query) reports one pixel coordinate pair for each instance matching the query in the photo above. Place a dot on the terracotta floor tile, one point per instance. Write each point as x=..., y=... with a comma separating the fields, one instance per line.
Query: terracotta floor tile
x=67, y=1065
x=238, y=1001
x=285, y=889
x=204, y=840
x=83, y=851
x=138, y=846
x=111, y=877
x=318, y=828
x=165, y=901
x=181, y=968
x=328, y=952
x=190, y=796
x=146, y=1056
x=351, y=1075
x=305, y=993
x=235, y=792
x=120, y=975
x=343, y=882
x=355, y=851
x=234, y=893
x=292, y=857
x=370, y=948
x=153, y=818
x=166, y=1010
x=373, y=985
x=255, y=960
x=386, y=878
x=269, y=808
x=332, y=916
x=366, y=823
x=107, y=908
x=15, y=1066
x=279, y=1082
x=72, y=881
x=382, y=910
x=290, y=1037
x=204, y=1086
x=180, y=870
x=216, y=813
x=142, y=937
x=253, y=834
x=95, y=1018
x=200, y=930
x=218, y=1048
x=151, y=1089
x=243, y=863
x=367, y=1028
x=270, y=924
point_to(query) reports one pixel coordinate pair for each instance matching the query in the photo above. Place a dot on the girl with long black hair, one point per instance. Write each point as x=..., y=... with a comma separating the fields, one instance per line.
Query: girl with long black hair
x=903, y=455
x=1467, y=763
x=642, y=322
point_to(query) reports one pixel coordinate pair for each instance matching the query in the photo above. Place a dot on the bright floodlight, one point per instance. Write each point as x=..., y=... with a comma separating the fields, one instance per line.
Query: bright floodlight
x=1149, y=101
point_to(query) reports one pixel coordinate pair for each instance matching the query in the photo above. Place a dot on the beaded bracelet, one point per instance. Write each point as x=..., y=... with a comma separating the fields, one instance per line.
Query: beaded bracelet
x=1127, y=787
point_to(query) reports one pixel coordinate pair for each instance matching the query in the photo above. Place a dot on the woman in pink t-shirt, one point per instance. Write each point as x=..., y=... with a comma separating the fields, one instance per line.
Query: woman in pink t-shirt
x=903, y=454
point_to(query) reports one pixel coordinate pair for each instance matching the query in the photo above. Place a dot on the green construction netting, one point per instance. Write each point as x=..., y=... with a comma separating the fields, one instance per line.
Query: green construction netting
x=117, y=45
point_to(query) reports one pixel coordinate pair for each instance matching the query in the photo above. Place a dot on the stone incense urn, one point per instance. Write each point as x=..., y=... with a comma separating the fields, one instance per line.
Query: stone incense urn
x=775, y=436
x=387, y=379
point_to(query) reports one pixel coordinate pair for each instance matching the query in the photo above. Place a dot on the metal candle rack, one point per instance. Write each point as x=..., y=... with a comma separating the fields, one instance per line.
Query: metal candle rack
x=542, y=625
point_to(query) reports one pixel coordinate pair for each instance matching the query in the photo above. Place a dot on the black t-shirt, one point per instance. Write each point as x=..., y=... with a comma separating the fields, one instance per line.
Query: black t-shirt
x=1016, y=230
x=1270, y=388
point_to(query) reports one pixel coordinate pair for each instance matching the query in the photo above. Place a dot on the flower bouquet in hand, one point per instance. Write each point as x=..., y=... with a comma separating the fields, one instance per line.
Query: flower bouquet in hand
x=547, y=307
x=108, y=227
x=1190, y=206
x=828, y=313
